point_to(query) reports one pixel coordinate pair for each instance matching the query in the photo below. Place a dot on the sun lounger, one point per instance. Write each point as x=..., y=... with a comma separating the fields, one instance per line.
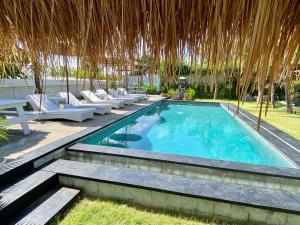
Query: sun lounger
x=105, y=96
x=114, y=93
x=90, y=97
x=100, y=108
x=123, y=92
x=51, y=111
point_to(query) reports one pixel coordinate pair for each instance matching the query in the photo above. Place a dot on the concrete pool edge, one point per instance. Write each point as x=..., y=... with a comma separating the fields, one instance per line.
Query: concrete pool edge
x=188, y=160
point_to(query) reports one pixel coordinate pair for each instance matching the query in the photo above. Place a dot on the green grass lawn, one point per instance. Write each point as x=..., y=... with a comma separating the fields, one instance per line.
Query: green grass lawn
x=89, y=211
x=289, y=123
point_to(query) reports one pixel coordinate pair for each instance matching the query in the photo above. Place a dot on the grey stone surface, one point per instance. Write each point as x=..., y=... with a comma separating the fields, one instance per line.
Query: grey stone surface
x=200, y=188
x=16, y=191
x=188, y=160
x=43, y=213
x=186, y=170
x=183, y=204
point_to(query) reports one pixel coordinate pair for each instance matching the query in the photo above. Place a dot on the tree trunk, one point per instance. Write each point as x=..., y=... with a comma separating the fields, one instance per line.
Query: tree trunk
x=273, y=96
x=259, y=93
x=66, y=74
x=37, y=78
x=126, y=77
x=92, y=87
x=216, y=90
x=288, y=99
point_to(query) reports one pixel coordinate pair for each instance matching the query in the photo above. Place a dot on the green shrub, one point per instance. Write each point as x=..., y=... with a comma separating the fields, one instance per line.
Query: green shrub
x=296, y=99
x=3, y=133
x=296, y=87
x=151, y=89
x=191, y=93
x=171, y=92
x=296, y=92
x=163, y=89
x=113, y=85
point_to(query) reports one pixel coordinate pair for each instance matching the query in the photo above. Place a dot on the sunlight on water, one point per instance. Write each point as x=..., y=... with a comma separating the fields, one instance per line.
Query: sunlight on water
x=206, y=131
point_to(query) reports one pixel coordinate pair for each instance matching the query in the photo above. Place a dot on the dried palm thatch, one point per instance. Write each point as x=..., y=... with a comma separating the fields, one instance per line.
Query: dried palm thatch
x=261, y=37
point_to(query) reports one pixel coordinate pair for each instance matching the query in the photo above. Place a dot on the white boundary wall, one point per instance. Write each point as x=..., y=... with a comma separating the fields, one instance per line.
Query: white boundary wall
x=19, y=88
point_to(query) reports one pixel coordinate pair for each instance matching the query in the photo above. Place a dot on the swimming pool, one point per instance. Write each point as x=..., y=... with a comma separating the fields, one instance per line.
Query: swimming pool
x=199, y=130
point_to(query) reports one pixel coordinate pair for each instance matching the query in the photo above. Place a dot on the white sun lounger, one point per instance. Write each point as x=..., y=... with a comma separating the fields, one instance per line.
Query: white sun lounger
x=51, y=111
x=90, y=97
x=105, y=96
x=100, y=108
x=123, y=92
x=115, y=94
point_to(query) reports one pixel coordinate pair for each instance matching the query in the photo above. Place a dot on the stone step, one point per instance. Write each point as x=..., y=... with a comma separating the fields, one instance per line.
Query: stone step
x=22, y=193
x=45, y=210
x=200, y=196
x=284, y=179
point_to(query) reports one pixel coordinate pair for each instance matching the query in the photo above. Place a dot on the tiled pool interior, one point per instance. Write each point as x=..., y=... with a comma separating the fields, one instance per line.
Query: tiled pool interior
x=199, y=130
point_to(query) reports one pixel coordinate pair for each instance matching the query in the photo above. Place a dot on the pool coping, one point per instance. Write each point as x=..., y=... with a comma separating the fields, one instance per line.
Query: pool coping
x=291, y=173
x=12, y=170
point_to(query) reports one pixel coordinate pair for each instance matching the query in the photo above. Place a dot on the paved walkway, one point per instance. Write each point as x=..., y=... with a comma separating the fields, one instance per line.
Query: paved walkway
x=45, y=132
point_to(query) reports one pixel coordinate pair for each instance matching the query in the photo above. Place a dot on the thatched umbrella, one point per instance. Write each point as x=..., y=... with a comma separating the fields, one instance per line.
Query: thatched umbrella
x=261, y=37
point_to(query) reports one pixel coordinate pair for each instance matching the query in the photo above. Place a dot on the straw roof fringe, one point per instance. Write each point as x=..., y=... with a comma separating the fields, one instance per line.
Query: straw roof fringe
x=261, y=37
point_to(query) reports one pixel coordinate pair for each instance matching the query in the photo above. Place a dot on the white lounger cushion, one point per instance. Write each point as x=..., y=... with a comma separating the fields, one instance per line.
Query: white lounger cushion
x=100, y=108
x=51, y=111
x=90, y=97
x=123, y=92
x=103, y=95
x=115, y=94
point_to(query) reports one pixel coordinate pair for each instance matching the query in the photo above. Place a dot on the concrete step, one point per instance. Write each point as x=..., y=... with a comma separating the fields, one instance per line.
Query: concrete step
x=44, y=210
x=284, y=179
x=200, y=196
x=22, y=193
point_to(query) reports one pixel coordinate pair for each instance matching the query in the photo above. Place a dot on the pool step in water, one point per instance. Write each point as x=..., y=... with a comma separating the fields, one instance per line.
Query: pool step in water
x=195, y=196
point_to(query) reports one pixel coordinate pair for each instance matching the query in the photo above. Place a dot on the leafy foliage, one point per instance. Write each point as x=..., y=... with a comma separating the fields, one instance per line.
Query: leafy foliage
x=11, y=69
x=296, y=92
x=191, y=93
x=151, y=89
x=3, y=133
x=58, y=71
x=171, y=92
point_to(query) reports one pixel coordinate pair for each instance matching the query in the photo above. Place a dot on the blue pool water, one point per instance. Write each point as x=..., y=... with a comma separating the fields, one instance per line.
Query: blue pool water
x=206, y=131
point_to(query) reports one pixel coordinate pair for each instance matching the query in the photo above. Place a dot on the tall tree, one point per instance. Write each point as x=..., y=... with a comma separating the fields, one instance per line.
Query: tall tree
x=288, y=97
x=36, y=67
x=273, y=96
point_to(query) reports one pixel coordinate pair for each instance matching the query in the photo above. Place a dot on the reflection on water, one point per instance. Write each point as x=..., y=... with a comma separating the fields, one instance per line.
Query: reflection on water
x=125, y=137
x=132, y=133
